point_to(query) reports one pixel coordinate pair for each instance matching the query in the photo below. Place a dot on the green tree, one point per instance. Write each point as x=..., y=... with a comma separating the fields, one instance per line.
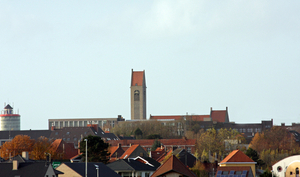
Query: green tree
x=97, y=149
x=252, y=154
x=267, y=173
x=154, y=136
x=138, y=133
x=155, y=145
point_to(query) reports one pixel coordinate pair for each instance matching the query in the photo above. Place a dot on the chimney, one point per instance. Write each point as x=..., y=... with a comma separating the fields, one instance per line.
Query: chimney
x=95, y=126
x=15, y=165
x=78, y=147
x=130, y=145
x=52, y=128
x=25, y=155
x=119, y=145
x=282, y=124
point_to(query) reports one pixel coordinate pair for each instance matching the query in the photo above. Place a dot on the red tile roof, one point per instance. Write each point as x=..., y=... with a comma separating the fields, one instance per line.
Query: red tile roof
x=149, y=142
x=182, y=117
x=60, y=146
x=112, y=149
x=218, y=115
x=137, y=78
x=129, y=151
x=173, y=165
x=157, y=154
x=160, y=149
x=237, y=156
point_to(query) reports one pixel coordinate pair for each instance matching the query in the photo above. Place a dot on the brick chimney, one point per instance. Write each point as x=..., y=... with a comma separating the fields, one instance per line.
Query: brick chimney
x=95, y=126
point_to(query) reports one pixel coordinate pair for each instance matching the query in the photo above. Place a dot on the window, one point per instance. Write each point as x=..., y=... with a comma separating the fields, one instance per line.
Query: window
x=68, y=133
x=84, y=123
x=279, y=168
x=80, y=123
x=136, y=95
x=189, y=149
x=68, y=139
x=61, y=124
x=66, y=124
x=71, y=123
x=74, y=139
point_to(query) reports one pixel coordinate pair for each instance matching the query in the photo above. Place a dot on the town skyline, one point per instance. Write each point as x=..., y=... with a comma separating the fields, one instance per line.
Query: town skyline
x=74, y=60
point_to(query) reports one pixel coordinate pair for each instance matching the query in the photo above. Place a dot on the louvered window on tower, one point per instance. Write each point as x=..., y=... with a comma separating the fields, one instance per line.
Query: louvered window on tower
x=136, y=95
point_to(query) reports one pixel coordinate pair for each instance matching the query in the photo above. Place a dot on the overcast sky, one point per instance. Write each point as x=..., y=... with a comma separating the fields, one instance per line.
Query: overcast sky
x=73, y=59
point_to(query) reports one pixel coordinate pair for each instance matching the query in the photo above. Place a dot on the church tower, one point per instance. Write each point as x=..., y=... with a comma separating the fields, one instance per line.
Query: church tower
x=138, y=95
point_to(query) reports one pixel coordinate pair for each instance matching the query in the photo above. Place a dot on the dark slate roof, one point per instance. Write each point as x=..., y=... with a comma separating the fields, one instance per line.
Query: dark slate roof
x=74, y=134
x=19, y=158
x=185, y=157
x=109, y=136
x=129, y=165
x=173, y=165
x=34, y=134
x=8, y=107
x=24, y=169
x=104, y=171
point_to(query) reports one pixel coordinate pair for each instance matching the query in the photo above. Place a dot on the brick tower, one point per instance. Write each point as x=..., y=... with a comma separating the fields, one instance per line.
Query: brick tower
x=138, y=95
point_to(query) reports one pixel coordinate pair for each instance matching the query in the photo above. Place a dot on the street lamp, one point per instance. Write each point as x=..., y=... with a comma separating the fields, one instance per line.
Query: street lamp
x=86, y=159
x=97, y=168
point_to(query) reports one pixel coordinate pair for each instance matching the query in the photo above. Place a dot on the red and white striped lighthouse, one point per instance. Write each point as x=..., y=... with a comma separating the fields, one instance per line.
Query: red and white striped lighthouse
x=8, y=119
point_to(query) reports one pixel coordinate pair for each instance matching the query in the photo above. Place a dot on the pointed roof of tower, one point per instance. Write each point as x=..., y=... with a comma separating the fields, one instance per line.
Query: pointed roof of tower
x=137, y=78
x=8, y=107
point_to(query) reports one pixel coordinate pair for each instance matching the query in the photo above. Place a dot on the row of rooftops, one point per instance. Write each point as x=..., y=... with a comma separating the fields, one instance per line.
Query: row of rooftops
x=215, y=115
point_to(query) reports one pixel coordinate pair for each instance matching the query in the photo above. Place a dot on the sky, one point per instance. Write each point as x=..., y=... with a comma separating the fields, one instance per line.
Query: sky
x=73, y=59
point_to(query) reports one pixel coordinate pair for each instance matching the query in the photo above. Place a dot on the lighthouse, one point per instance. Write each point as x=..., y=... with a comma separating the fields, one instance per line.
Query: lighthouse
x=8, y=119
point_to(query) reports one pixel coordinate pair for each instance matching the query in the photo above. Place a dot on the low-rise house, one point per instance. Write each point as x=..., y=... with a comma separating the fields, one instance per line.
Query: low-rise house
x=168, y=144
x=148, y=161
x=62, y=150
x=173, y=167
x=37, y=169
x=115, y=152
x=130, y=167
x=185, y=157
x=134, y=151
x=287, y=167
x=78, y=170
x=238, y=159
x=159, y=152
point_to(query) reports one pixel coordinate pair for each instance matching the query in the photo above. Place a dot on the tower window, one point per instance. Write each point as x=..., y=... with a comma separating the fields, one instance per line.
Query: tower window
x=136, y=95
